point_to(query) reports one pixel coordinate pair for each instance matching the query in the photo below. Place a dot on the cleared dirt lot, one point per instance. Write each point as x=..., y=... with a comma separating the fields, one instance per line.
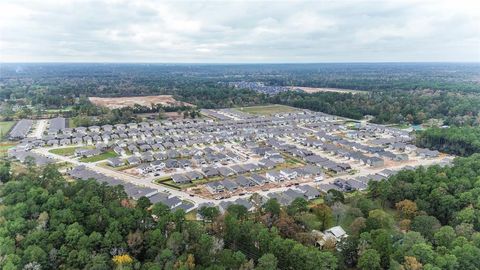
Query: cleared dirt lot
x=322, y=89
x=121, y=102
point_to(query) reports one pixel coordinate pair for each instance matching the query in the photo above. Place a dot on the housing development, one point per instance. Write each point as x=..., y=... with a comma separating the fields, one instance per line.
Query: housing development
x=225, y=156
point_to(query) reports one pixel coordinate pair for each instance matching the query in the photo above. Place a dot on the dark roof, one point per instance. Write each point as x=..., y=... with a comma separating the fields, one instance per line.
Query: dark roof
x=21, y=129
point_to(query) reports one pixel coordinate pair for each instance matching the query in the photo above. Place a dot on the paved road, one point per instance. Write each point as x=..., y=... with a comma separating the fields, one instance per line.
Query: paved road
x=40, y=127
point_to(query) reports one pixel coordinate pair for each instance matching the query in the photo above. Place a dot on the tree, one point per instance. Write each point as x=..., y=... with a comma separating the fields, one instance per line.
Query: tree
x=426, y=225
x=369, y=260
x=122, y=260
x=272, y=207
x=238, y=211
x=298, y=205
x=379, y=219
x=143, y=203
x=423, y=252
x=324, y=214
x=411, y=263
x=444, y=236
x=135, y=242
x=405, y=224
x=209, y=213
x=5, y=172
x=357, y=226
x=268, y=261
x=407, y=208
x=334, y=196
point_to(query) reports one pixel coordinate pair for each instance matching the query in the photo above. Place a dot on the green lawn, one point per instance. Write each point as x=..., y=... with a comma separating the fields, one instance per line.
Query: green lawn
x=67, y=151
x=5, y=146
x=66, y=109
x=192, y=215
x=267, y=109
x=108, y=154
x=5, y=127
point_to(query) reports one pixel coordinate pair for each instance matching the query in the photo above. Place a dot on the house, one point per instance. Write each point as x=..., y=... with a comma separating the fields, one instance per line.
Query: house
x=274, y=176
x=145, y=147
x=180, y=179
x=335, y=235
x=375, y=161
x=225, y=171
x=309, y=192
x=289, y=174
x=277, y=159
x=258, y=179
x=310, y=170
x=230, y=185
x=267, y=164
x=426, y=153
x=115, y=162
x=244, y=182
x=337, y=232
x=119, y=150
x=194, y=175
x=210, y=171
x=386, y=173
x=82, y=152
x=251, y=167
x=94, y=129
x=133, y=160
x=215, y=187
x=223, y=206
x=146, y=157
x=238, y=169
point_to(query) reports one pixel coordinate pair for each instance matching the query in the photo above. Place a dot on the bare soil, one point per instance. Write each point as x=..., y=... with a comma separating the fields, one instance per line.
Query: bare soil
x=121, y=102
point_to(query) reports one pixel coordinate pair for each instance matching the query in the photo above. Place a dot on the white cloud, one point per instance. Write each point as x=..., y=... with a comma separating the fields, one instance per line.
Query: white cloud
x=239, y=31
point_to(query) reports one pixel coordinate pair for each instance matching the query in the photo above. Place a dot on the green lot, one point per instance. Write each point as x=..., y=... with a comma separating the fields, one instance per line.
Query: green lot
x=108, y=154
x=268, y=109
x=67, y=151
x=5, y=127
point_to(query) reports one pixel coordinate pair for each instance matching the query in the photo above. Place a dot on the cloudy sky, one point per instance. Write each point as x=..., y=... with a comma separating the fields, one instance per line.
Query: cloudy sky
x=239, y=31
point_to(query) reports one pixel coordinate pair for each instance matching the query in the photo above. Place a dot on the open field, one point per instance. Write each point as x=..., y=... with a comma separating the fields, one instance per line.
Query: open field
x=5, y=146
x=67, y=151
x=108, y=154
x=322, y=89
x=121, y=102
x=5, y=127
x=268, y=109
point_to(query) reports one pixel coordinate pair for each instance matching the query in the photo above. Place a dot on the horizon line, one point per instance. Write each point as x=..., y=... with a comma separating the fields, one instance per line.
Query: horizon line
x=241, y=63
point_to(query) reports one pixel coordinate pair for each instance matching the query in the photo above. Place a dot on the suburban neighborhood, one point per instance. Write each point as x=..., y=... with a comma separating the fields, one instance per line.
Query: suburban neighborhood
x=225, y=156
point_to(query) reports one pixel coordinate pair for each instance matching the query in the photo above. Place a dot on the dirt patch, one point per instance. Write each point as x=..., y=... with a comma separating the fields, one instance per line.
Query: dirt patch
x=121, y=102
x=322, y=89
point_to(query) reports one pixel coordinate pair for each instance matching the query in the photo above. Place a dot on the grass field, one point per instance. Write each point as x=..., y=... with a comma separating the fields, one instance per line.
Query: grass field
x=103, y=156
x=5, y=146
x=268, y=109
x=67, y=151
x=5, y=127
x=66, y=109
x=191, y=216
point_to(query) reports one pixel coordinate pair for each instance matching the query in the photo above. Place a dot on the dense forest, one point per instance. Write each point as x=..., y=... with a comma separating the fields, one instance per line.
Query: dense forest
x=422, y=219
x=413, y=107
x=462, y=141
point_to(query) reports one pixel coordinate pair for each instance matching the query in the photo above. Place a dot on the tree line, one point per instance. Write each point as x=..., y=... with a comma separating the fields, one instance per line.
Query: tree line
x=461, y=141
